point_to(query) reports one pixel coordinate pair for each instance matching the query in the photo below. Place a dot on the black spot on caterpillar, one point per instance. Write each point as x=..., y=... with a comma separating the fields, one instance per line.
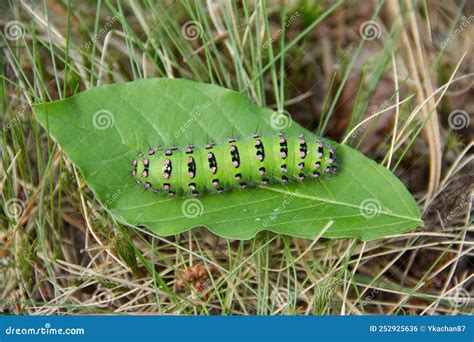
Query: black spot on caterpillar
x=217, y=168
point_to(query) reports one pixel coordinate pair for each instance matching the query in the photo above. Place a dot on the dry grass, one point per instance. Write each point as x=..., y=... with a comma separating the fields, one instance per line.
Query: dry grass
x=61, y=254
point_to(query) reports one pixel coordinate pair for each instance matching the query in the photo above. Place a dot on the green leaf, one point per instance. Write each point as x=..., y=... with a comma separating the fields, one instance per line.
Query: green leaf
x=102, y=129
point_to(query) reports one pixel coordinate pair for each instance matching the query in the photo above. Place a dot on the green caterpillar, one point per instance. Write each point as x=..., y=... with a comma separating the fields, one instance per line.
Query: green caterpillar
x=235, y=164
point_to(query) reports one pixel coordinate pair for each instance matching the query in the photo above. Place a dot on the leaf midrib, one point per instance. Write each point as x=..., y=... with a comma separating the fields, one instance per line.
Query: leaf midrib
x=314, y=198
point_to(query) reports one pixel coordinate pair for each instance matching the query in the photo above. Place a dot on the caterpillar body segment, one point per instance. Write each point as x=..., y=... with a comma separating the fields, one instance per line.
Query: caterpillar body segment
x=217, y=168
